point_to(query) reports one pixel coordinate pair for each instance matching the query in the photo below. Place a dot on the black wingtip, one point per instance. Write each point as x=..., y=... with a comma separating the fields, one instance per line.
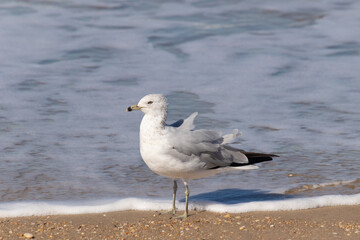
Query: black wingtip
x=259, y=157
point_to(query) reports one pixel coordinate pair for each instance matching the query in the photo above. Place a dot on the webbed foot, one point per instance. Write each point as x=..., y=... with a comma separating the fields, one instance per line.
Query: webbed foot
x=172, y=211
x=182, y=217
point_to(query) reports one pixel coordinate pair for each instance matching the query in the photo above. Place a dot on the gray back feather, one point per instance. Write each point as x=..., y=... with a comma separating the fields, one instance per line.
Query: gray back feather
x=208, y=145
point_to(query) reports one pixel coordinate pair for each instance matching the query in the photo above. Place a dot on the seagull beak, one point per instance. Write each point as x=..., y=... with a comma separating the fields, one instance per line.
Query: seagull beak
x=133, y=107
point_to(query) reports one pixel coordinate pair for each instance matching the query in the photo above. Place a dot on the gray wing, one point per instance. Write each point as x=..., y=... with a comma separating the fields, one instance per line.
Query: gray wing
x=209, y=146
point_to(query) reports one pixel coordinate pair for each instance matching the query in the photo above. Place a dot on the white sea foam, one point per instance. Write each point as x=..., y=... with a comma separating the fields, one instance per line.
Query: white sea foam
x=17, y=209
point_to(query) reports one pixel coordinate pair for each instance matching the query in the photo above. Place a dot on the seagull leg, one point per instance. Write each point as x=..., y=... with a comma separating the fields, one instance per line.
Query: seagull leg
x=187, y=193
x=174, y=197
x=173, y=210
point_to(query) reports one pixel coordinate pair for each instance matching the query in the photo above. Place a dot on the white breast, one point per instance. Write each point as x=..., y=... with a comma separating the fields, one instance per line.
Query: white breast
x=162, y=159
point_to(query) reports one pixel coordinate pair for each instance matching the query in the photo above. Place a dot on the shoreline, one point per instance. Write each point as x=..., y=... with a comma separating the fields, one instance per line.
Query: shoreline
x=338, y=222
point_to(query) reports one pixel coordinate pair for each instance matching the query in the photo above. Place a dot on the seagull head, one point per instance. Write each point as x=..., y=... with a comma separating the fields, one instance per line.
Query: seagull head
x=152, y=103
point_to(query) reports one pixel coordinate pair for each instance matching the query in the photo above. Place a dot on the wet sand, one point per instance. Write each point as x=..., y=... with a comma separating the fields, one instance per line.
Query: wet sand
x=341, y=222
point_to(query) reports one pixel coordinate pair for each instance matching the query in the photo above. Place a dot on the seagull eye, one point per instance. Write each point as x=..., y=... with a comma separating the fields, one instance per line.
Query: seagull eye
x=150, y=102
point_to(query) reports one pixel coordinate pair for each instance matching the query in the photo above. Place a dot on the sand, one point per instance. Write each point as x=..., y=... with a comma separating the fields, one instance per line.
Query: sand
x=341, y=222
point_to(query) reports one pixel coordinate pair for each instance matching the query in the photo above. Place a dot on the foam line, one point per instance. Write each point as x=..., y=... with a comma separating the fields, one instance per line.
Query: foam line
x=16, y=209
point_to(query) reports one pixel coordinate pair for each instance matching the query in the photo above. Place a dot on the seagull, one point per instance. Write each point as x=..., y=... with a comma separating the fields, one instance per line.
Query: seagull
x=177, y=151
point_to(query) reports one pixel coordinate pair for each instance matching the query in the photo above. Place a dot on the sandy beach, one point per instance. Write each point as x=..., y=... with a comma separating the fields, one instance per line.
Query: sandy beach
x=341, y=222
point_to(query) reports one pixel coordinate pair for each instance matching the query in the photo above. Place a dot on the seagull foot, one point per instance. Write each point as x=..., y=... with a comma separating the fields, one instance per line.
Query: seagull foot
x=182, y=217
x=172, y=211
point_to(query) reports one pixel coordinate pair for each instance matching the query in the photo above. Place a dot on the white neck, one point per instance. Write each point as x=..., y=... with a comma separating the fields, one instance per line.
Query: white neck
x=152, y=125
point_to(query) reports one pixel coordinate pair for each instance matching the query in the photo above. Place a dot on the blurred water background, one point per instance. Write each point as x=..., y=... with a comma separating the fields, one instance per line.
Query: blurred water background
x=286, y=73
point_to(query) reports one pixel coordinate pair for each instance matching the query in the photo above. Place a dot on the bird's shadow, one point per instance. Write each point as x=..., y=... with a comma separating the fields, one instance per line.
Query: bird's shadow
x=234, y=196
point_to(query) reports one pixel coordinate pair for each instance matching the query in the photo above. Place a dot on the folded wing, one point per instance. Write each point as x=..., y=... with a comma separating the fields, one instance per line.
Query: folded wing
x=210, y=146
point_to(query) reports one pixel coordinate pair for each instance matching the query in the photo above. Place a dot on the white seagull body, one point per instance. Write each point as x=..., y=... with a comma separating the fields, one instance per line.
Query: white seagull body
x=179, y=152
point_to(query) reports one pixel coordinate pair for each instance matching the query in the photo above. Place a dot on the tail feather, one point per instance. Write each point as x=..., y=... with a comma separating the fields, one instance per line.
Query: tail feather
x=254, y=158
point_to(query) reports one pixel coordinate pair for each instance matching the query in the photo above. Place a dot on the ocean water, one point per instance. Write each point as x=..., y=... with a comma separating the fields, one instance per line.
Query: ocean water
x=286, y=73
